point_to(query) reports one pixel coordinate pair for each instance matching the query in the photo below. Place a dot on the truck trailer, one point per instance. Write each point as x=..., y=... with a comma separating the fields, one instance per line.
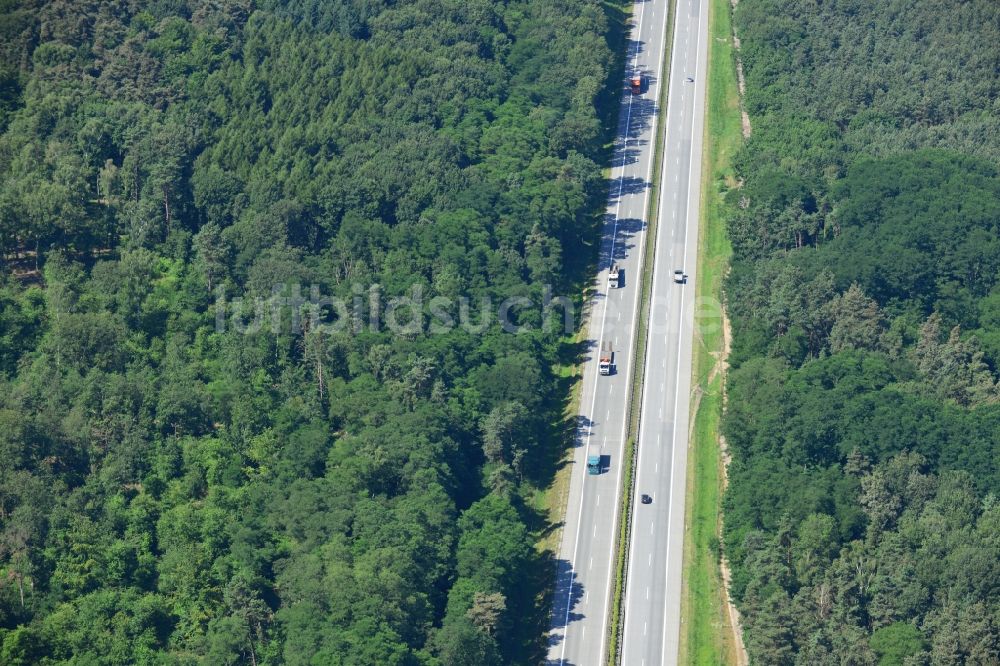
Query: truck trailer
x=614, y=277
x=594, y=459
x=636, y=83
x=607, y=360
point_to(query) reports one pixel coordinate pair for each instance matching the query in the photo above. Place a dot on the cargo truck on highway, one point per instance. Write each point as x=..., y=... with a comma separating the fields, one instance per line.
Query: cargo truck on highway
x=594, y=459
x=614, y=277
x=636, y=83
x=607, y=360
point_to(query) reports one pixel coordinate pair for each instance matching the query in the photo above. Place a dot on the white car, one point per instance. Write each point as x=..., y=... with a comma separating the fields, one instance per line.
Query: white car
x=679, y=276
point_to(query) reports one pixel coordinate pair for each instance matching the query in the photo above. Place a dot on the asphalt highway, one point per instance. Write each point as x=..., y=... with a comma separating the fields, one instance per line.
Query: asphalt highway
x=584, y=570
x=652, y=594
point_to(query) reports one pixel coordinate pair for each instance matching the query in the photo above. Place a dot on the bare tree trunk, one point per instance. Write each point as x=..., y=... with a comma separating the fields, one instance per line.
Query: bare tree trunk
x=319, y=373
x=166, y=206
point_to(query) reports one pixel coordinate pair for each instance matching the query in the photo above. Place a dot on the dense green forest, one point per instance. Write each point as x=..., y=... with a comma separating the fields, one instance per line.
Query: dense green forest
x=173, y=491
x=862, y=519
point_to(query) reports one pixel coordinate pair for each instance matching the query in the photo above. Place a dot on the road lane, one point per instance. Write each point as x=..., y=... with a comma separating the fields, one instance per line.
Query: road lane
x=652, y=603
x=584, y=568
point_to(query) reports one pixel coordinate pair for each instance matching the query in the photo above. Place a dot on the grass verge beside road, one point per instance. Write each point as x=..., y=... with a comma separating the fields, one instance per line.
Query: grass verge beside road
x=707, y=636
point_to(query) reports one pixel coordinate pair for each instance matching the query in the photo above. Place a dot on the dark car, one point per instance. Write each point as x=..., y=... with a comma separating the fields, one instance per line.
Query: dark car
x=646, y=499
x=690, y=79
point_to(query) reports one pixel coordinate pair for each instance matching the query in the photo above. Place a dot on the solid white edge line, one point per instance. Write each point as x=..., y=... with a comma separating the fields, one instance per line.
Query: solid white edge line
x=593, y=403
x=656, y=268
x=680, y=334
x=631, y=341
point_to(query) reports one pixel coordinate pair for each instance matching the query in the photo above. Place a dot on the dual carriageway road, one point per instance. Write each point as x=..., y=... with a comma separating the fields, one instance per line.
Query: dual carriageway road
x=584, y=576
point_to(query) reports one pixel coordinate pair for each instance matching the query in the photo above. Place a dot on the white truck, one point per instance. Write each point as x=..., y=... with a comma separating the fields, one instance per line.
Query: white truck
x=607, y=360
x=614, y=277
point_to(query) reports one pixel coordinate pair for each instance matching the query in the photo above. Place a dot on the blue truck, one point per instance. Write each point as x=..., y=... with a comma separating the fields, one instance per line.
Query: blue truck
x=594, y=459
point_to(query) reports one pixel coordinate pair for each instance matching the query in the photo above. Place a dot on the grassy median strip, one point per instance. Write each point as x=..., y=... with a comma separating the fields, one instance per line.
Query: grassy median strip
x=706, y=635
x=621, y=553
x=639, y=357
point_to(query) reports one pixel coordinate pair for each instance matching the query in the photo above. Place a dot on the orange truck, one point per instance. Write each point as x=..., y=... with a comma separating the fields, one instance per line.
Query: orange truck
x=636, y=83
